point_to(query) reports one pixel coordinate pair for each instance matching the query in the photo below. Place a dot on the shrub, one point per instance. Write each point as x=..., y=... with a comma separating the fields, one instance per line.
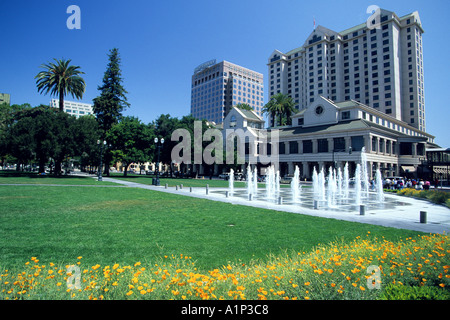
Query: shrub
x=398, y=292
x=438, y=197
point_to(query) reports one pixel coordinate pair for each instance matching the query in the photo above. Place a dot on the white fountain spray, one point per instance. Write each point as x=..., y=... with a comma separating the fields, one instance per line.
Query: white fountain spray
x=379, y=184
x=315, y=181
x=255, y=181
x=346, y=181
x=249, y=180
x=339, y=182
x=231, y=182
x=295, y=186
x=270, y=183
x=277, y=182
x=332, y=187
x=322, y=185
x=364, y=173
x=358, y=184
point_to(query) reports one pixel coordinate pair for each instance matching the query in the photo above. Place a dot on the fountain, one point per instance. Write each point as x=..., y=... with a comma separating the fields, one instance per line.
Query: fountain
x=364, y=173
x=379, y=186
x=231, y=182
x=332, y=188
x=295, y=186
x=250, y=188
x=346, y=181
x=315, y=182
x=321, y=185
x=270, y=183
x=255, y=181
x=277, y=182
x=339, y=182
x=358, y=184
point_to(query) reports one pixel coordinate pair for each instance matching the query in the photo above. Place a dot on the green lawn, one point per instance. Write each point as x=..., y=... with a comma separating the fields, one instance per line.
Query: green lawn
x=125, y=225
x=13, y=177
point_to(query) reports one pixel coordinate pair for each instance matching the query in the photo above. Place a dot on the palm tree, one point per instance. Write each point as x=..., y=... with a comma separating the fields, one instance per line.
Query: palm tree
x=60, y=78
x=280, y=105
x=287, y=109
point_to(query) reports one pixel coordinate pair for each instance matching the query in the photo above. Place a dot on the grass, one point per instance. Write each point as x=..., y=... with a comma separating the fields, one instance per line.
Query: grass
x=13, y=177
x=124, y=225
x=187, y=182
x=130, y=243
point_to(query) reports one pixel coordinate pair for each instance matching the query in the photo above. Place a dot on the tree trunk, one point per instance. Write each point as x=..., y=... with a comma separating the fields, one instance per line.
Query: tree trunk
x=107, y=159
x=41, y=165
x=125, y=167
x=58, y=167
x=61, y=101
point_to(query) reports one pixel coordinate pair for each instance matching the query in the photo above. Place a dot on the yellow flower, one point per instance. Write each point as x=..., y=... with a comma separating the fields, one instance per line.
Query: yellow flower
x=307, y=283
x=129, y=293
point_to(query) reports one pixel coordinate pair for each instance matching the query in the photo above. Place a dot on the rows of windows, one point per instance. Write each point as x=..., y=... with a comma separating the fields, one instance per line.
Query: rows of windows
x=366, y=73
x=214, y=92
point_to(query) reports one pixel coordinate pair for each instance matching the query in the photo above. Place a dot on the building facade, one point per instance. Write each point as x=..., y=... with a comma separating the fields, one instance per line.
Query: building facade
x=5, y=98
x=217, y=87
x=378, y=65
x=74, y=108
x=332, y=134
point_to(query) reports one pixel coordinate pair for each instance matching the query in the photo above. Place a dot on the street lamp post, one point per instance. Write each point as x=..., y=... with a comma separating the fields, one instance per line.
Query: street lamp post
x=101, y=156
x=158, y=146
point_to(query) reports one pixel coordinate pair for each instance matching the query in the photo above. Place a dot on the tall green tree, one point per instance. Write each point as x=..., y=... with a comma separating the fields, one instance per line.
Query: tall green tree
x=131, y=142
x=272, y=109
x=7, y=117
x=108, y=107
x=86, y=134
x=60, y=79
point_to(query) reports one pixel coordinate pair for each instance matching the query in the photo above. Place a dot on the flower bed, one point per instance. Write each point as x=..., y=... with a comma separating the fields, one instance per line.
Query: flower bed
x=362, y=269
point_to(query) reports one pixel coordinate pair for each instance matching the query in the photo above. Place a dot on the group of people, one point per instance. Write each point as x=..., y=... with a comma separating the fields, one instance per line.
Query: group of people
x=400, y=183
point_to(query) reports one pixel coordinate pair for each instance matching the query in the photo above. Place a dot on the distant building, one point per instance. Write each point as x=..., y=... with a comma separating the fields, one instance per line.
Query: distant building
x=73, y=108
x=380, y=66
x=217, y=87
x=5, y=98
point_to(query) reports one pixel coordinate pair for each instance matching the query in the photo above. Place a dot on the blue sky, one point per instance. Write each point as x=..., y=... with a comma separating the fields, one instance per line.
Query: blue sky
x=161, y=42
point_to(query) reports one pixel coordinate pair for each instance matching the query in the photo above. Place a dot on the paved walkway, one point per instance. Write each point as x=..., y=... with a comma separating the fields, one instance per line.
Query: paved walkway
x=402, y=217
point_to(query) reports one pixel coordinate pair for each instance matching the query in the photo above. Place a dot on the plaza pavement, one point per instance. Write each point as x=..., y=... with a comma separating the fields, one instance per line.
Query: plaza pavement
x=403, y=216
